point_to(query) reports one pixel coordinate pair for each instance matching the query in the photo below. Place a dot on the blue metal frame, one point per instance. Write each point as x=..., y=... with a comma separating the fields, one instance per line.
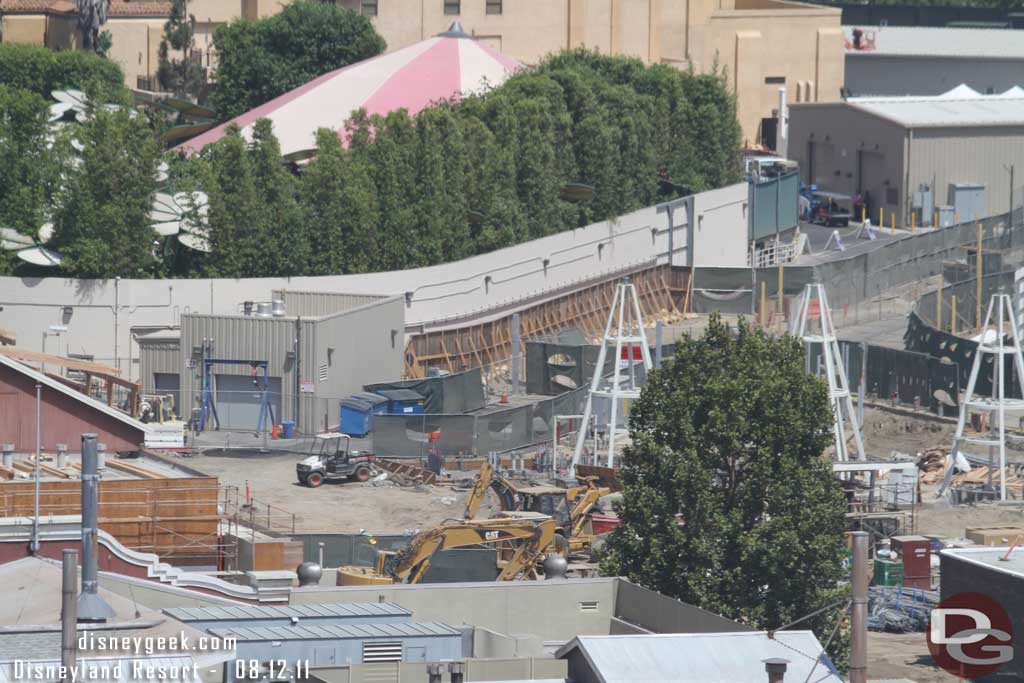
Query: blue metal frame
x=209, y=404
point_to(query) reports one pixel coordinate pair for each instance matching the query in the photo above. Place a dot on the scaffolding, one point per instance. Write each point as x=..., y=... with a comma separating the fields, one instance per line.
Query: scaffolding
x=993, y=343
x=814, y=307
x=630, y=346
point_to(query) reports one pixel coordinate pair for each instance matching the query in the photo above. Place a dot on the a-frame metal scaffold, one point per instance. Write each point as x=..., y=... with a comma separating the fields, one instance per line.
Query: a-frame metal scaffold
x=992, y=341
x=630, y=346
x=813, y=325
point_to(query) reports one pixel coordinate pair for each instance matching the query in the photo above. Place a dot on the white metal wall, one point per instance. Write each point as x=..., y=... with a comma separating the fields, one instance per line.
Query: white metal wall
x=103, y=311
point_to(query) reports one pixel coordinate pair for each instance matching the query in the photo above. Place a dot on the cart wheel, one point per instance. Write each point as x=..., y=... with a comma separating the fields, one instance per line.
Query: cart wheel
x=315, y=480
x=362, y=474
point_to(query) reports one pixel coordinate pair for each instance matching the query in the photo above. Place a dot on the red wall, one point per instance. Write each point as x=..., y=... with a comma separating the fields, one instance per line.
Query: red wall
x=64, y=419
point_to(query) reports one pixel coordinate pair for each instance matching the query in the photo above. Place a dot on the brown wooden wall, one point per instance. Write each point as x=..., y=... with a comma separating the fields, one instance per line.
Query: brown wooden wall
x=174, y=518
x=63, y=418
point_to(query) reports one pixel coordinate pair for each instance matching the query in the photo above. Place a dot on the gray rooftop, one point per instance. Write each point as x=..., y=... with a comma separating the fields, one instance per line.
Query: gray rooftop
x=311, y=611
x=704, y=657
x=991, y=558
x=958, y=107
x=337, y=631
x=929, y=41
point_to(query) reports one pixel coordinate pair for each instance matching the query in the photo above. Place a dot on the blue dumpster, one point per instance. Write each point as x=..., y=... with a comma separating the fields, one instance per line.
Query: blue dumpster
x=355, y=417
x=403, y=401
x=357, y=413
x=288, y=429
x=378, y=404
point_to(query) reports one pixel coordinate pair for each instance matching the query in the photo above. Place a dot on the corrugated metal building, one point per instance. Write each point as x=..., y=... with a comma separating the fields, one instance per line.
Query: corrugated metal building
x=324, y=347
x=696, y=657
x=336, y=644
x=929, y=60
x=316, y=614
x=889, y=146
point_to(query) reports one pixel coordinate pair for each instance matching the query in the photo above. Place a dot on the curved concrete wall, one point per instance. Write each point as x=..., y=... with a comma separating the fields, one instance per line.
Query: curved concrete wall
x=98, y=314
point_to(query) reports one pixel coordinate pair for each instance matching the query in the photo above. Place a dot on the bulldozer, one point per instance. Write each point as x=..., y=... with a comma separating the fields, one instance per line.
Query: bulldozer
x=569, y=507
x=521, y=538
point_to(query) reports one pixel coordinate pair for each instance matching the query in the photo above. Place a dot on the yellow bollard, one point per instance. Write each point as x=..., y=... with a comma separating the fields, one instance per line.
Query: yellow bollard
x=893, y=226
x=913, y=221
x=881, y=218
x=863, y=214
x=935, y=219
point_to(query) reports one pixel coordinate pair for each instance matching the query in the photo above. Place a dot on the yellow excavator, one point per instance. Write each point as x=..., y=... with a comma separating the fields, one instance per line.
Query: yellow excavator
x=570, y=507
x=520, y=537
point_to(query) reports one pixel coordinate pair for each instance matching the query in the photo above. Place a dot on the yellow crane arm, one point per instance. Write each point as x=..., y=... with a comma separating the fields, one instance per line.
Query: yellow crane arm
x=583, y=505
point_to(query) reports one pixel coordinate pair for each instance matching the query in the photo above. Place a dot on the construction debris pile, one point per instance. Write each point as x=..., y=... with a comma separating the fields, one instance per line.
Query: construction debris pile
x=932, y=464
x=895, y=609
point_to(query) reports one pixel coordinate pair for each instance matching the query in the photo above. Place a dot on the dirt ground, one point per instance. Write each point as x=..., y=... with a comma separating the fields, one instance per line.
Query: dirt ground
x=381, y=508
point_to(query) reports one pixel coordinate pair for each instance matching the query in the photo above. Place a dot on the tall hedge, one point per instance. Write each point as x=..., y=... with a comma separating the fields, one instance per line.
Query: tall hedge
x=42, y=70
x=469, y=176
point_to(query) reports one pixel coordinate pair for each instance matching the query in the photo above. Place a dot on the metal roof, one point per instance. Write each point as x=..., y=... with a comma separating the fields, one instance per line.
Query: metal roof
x=310, y=611
x=337, y=631
x=991, y=558
x=955, y=108
x=704, y=657
x=928, y=41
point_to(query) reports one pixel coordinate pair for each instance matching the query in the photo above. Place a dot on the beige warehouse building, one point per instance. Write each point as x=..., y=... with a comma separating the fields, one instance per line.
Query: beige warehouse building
x=890, y=146
x=760, y=45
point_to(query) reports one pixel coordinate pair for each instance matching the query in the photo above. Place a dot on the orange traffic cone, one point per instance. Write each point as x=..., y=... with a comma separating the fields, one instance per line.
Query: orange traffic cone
x=273, y=432
x=504, y=397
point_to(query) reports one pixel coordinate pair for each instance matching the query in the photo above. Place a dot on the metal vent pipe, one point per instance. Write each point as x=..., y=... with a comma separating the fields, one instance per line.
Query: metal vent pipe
x=91, y=607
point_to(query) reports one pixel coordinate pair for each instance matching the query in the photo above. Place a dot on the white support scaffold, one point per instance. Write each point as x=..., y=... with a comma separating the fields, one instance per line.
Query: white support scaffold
x=814, y=307
x=992, y=341
x=629, y=336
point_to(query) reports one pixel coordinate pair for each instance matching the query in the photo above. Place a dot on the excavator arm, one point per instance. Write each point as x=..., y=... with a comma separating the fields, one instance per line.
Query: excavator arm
x=488, y=479
x=585, y=502
x=529, y=536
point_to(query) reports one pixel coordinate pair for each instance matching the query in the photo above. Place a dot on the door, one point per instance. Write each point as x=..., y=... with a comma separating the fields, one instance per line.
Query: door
x=169, y=383
x=238, y=400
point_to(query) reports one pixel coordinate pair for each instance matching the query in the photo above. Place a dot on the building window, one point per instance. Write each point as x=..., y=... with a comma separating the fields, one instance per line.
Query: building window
x=494, y=6
x=453, y=7
x=775, y=80
x=369, y=8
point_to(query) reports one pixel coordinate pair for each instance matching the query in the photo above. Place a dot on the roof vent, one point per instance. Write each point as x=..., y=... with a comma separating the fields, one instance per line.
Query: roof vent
x=454, y=31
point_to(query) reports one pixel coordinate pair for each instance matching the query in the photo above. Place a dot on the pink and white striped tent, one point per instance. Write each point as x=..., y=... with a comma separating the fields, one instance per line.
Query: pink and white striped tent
x=449, y=64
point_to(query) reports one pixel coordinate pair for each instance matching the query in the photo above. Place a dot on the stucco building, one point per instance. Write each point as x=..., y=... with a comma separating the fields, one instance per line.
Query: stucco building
x=760, y=45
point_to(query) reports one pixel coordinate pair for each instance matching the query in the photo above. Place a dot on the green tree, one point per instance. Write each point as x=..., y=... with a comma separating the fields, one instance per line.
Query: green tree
x=259, y=60
x=393, y=159
x=339, y=192
x=102, y=220
x=181, y=76
x=31, y=169
x=442, y=230
x=41, y=70
x=236, y=212
x=281, y=227
x=728, y=502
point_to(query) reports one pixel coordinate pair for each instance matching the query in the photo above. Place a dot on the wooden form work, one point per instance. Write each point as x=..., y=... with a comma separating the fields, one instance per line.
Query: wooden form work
x=661, y=290
x=104, y=374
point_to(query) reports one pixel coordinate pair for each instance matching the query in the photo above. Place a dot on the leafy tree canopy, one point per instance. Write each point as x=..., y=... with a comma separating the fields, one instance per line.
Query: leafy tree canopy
x=29, y=162
x=259, y=60
x=180, y=74
x=41, y=70
x=728, y=503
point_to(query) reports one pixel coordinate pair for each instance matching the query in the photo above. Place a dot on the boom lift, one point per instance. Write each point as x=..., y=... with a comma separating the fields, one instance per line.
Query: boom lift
x=521, y=538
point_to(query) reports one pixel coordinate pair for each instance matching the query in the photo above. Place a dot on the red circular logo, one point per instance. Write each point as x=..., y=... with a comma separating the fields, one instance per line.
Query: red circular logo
x=970, y=635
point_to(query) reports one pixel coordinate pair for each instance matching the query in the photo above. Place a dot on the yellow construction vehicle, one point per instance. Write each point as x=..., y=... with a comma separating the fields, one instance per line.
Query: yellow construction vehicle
x=570, y=507
x=520, y=538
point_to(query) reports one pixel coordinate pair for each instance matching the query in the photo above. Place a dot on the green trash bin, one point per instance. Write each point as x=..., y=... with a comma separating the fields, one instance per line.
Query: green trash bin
x=888, y=573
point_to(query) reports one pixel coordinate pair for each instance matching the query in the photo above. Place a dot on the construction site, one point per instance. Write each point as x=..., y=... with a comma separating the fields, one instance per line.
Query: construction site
x=417, y=475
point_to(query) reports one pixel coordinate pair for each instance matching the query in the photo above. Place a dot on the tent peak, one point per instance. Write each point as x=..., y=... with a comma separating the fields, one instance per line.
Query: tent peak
x=455, y=31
